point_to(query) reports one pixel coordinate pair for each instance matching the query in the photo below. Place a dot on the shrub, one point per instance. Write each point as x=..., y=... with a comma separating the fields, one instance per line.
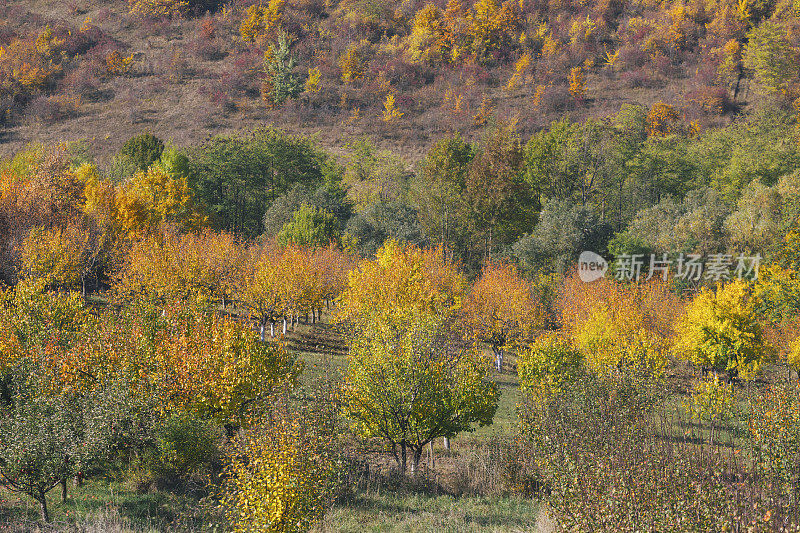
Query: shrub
x=774, y=428
x=711, y=401
x=157, y=8
x=547, y=365
x=606, y=462
x=663, y=119
x=186, y=445
x=117, y=65
x=577, y=83
x=352, y=64
x=143, y=149
x=51, y=109
x=281, y=474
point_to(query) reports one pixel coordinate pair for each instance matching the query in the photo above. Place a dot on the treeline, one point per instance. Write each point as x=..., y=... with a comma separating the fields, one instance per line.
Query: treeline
x=631, y=183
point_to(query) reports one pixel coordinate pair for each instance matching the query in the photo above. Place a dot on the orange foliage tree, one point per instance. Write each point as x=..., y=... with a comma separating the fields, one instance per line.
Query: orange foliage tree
x=501, y=309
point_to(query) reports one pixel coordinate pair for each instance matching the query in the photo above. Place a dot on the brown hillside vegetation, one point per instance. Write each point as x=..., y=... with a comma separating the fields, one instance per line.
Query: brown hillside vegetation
x=103, y=71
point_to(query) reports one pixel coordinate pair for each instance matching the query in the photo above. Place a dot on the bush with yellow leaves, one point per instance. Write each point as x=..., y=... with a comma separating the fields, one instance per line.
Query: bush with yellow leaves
x=390, y=111
x=117, y=64
x=158, y=8
x=711, y=401
x=281, y=473
x=577, y=83
x=352, y=64
x=547, y=365
x=262, y=22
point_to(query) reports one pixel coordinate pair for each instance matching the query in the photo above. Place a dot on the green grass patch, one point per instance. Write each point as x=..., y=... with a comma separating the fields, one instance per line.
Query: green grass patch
x=387, y=511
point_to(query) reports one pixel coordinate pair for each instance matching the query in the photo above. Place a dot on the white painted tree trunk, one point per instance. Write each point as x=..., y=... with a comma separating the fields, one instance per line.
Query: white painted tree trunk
x=446, y=443
x=272, y=330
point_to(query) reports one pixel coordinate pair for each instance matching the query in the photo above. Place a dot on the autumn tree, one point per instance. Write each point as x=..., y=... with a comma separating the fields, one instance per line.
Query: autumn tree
x=428, y=40
x=501, y=309
x=154, y=197
x=53, y=258
x=720, y=331
x=620, y=328
x=262, y=21
x=410, y=379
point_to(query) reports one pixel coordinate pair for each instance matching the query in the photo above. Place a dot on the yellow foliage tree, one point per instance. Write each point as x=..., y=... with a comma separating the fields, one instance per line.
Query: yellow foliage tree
x=262, y=22
x=429, y=37
x=721, y=332
x=520, y=67
x=390, y=111
x=409, y=379
x=662, y=120
x=352, y=64
x=312, y=85
x=620, y=327
x=577, y=83
x=53, y=258
x=153, y=197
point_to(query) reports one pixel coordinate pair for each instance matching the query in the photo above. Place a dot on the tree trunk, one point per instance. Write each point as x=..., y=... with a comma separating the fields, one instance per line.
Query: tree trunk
x=284, y=325
x=63, y=490
x=272, y=330
x=42, y=498
x=711, y=440
x=416, y=459
x=447, y=443
x=261, y=332
x=498, y=354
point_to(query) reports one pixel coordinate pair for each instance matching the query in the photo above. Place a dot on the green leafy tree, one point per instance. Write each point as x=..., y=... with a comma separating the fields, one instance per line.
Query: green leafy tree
x=143, y=150
x=279, y=65
x=438, y=188
x=310, y=227
x=41, y=445
x=238, y=177
x=410, y=385
x=770, y=56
